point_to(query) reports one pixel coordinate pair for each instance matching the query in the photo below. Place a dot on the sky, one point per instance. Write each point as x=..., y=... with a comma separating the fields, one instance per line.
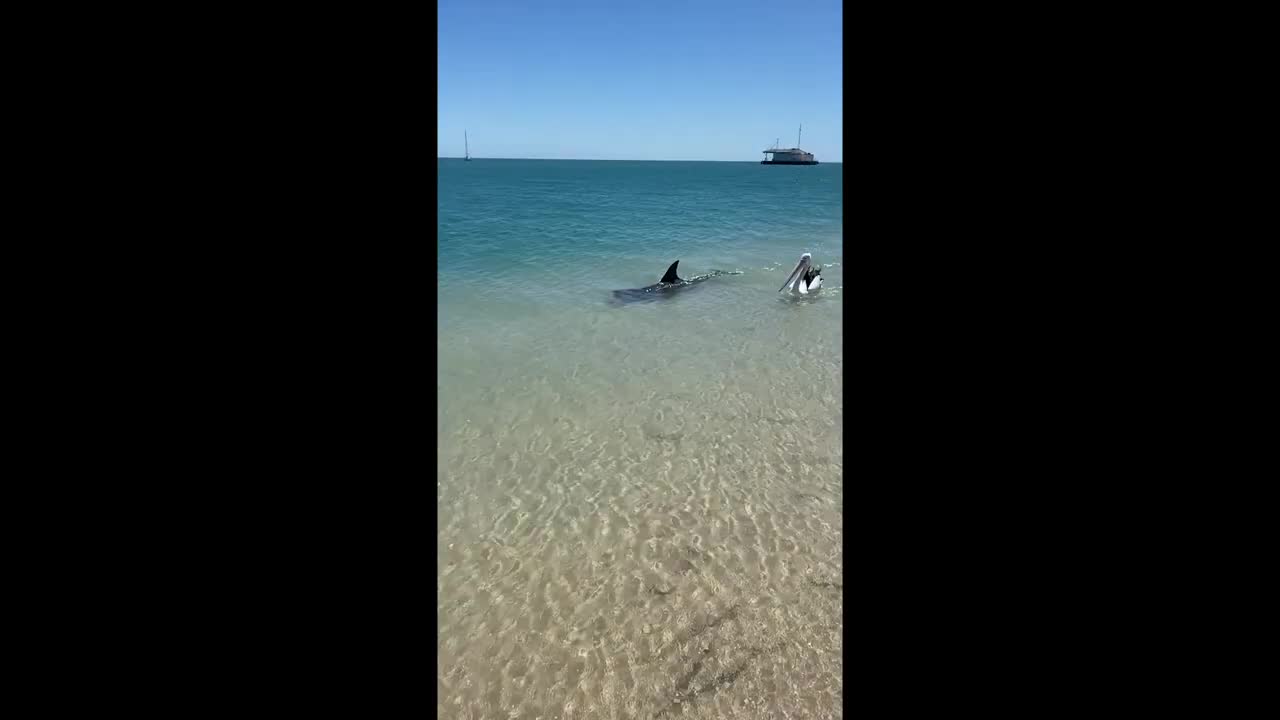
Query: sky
x=639, y=79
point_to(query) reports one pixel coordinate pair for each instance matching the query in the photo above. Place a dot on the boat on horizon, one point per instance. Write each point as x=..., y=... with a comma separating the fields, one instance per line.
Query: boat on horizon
x=789, y=156
x=466, y=148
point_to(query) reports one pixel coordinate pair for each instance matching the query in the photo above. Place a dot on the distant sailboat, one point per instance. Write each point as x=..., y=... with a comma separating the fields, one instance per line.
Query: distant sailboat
x=466, y=149
x=789, y=156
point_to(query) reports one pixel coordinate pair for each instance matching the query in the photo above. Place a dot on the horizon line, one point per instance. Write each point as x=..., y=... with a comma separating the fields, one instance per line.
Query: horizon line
x=448, y=157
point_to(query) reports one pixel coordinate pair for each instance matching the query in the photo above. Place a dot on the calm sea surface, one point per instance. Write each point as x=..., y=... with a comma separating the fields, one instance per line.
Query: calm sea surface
x=639, y=506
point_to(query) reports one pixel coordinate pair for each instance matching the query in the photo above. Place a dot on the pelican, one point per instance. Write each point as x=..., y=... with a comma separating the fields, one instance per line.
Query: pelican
x=805, y=278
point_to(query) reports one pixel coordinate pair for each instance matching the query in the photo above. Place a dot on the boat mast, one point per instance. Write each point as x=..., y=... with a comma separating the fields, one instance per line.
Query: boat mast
x=798, y=134
x=466, y=148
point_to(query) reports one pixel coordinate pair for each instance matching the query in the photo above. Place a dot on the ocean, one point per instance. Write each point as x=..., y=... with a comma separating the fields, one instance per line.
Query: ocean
x=639, y=506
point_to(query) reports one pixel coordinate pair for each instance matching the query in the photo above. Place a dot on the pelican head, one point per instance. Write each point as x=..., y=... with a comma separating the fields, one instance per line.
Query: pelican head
x=804, y=277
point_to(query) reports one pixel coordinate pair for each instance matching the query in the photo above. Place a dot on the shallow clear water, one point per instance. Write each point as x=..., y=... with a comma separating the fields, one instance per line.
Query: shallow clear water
x=639, y=506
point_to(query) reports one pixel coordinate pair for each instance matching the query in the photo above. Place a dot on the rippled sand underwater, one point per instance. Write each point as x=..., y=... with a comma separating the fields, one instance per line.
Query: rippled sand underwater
x=640, y=508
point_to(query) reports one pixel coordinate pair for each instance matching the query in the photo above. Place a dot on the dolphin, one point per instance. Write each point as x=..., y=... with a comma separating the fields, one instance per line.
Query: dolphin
x=667, y=286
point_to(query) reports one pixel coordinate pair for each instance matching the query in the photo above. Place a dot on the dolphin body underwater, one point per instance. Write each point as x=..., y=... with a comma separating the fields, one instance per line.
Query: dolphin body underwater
x=669, y=285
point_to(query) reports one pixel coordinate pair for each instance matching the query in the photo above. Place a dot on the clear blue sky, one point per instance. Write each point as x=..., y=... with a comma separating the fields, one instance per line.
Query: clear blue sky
x=639, y=79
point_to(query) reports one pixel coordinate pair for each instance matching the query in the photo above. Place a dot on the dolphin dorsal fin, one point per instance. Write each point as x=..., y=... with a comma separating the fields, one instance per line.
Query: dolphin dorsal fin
x=671, y=276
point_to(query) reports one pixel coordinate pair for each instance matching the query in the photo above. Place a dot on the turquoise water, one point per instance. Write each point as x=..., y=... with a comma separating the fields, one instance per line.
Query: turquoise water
x=639, y=506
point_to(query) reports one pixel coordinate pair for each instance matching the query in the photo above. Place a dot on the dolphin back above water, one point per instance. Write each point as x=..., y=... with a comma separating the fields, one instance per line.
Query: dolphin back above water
x=667, y=286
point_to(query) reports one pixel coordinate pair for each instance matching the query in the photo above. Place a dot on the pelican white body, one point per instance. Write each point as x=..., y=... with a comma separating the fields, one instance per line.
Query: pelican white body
x=804, y=278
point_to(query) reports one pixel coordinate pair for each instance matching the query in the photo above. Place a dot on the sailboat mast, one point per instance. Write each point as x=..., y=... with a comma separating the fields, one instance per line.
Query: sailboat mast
x=466, y=147
x=798, y=134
